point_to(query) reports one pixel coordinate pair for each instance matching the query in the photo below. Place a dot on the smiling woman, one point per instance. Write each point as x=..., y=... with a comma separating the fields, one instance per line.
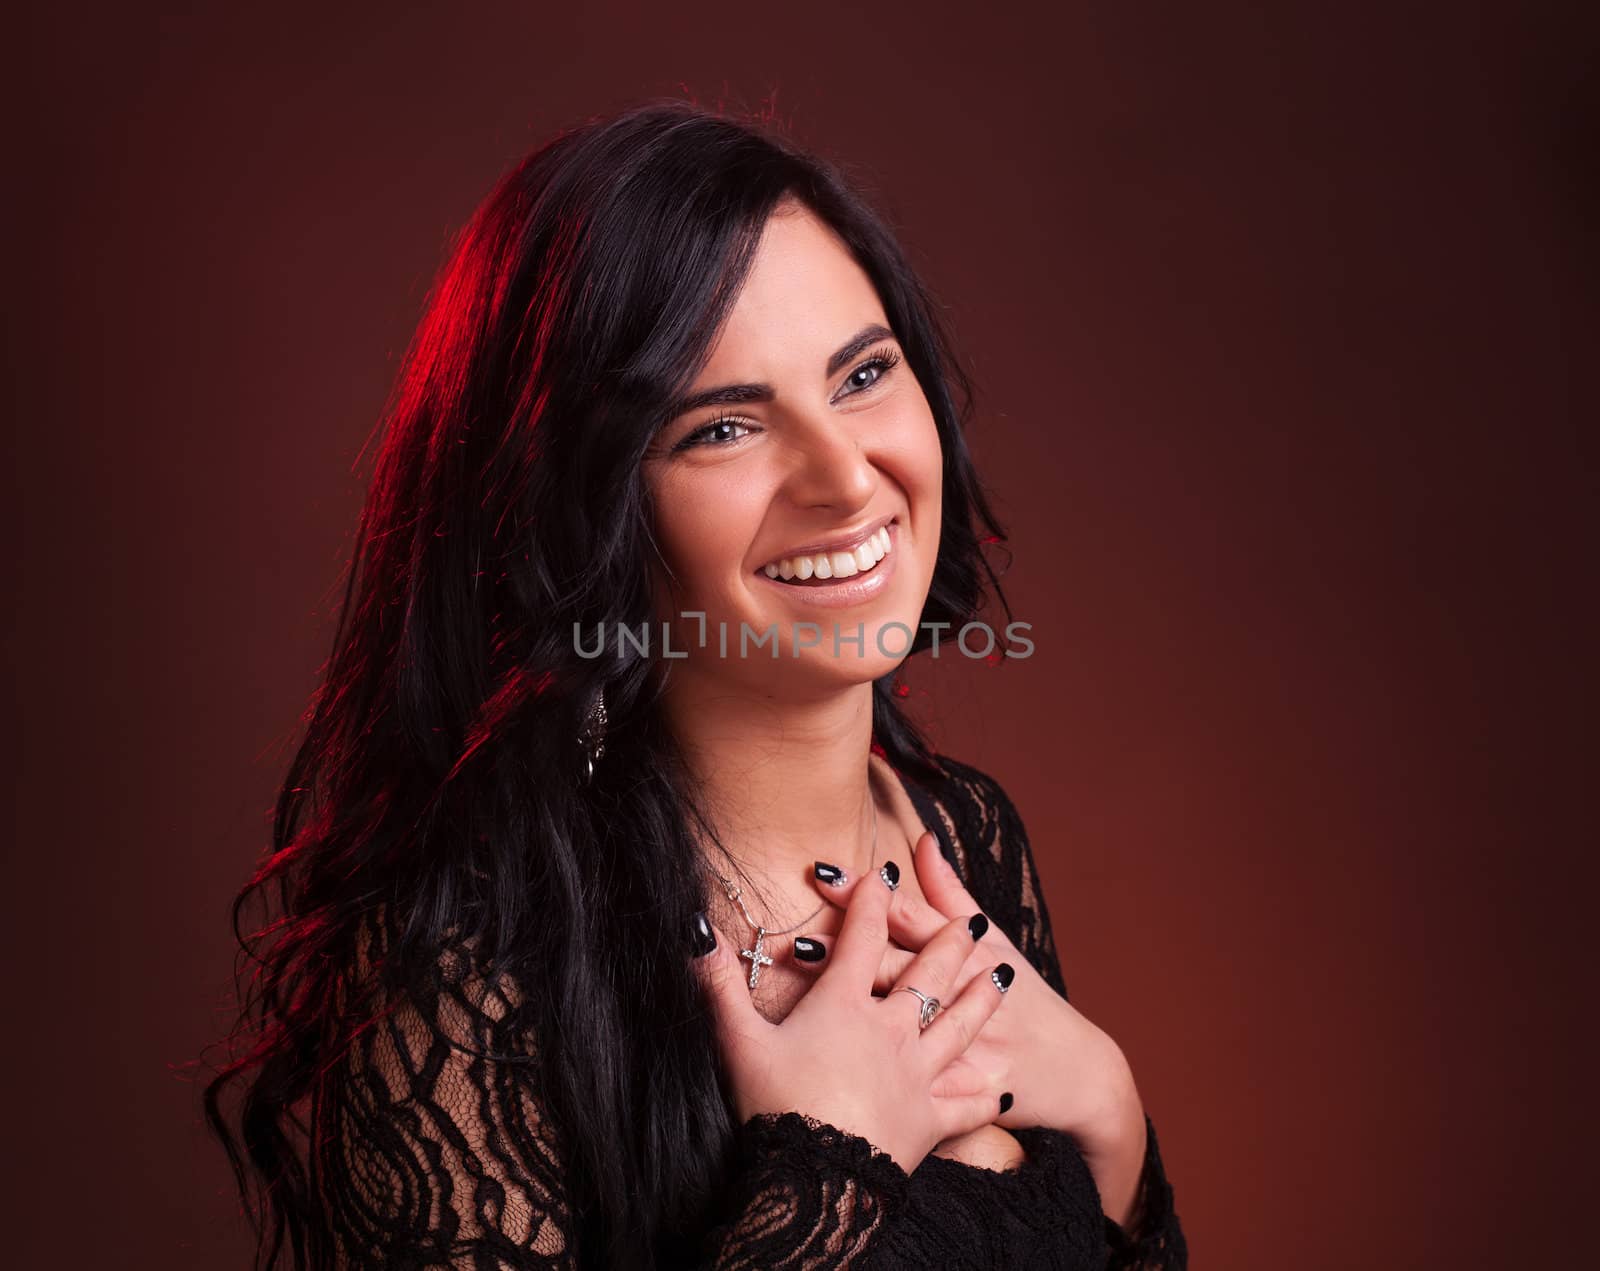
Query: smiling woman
x=667, y=958
x=823, y=493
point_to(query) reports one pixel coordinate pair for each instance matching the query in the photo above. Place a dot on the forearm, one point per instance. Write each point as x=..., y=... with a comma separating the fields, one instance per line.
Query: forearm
x=1117, y=1175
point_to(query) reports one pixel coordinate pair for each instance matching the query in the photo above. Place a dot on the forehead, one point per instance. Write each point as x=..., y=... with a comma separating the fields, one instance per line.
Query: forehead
x=804, y=294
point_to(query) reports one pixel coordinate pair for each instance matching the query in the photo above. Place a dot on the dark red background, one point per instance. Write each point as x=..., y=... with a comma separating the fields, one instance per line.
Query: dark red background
x=1277, y=313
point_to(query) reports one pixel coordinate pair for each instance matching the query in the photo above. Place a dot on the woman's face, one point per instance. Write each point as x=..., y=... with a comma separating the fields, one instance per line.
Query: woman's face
x=806, y=500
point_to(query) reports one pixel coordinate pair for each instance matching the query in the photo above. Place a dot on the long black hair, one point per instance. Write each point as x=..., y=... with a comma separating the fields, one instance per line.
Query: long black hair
x=438, y=780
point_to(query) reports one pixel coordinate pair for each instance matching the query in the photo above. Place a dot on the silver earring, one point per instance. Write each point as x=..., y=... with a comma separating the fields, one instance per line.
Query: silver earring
x=592, y=736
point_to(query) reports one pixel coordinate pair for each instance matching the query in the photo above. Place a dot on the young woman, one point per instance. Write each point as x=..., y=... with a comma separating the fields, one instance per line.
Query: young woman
x=620, y=917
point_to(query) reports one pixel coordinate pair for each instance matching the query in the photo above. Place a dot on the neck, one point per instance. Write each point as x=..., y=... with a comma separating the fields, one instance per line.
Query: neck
x=785, y=783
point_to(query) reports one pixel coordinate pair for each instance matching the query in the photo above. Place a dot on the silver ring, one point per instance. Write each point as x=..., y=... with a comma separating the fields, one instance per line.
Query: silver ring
x=930, y=1005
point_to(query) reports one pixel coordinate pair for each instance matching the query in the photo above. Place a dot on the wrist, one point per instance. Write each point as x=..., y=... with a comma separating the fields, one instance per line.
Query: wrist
x=1114, y=1149
x=1115, y=1131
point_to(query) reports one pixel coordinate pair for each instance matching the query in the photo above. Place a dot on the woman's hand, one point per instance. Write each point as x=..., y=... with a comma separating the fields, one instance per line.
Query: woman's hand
x=858, y=1062
x=1063, y=1071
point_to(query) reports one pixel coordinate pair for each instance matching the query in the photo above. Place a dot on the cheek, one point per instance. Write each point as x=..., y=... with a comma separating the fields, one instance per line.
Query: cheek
x=922, y=476
x=922, y=465
x=933, y=458
x=701, y=526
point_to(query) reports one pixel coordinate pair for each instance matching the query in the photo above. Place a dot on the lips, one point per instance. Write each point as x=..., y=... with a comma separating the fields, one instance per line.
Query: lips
x=833, y=560
x=845, y=589
x=821, y=568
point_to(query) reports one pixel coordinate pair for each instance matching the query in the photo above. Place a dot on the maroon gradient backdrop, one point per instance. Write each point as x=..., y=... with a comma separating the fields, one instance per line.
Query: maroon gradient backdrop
x=1277, y=314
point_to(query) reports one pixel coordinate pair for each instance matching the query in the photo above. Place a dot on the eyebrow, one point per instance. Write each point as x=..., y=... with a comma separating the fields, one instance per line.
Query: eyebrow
x=736, y=394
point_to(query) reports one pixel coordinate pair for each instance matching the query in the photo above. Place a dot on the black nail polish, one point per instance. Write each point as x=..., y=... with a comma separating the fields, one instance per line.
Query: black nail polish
x=890, y=873
x=808, y=950
x=830, y=874
x=977, y=925
x=1005, y=1103
x=704, y=939
x=1002, y=976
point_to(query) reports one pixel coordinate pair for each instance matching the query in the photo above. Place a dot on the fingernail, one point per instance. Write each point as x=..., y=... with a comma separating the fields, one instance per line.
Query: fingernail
x=977, y=925
x=1002, y=976
x=1005, y=1103
x=704, y=939
x=830, y=874
x=808, y=950
x=890, y=873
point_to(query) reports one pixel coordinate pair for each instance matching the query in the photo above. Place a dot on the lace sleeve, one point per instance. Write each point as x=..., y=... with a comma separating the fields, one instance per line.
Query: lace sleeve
x=436, y=1155
x=814, y=1197
x=433, y=1152
x=984, y=838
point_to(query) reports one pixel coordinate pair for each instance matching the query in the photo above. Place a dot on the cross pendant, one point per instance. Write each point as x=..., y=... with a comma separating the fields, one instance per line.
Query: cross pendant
x=758, y=959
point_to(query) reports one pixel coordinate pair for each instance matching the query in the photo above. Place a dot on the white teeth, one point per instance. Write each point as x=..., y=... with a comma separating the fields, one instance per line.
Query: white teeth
x=834, y=564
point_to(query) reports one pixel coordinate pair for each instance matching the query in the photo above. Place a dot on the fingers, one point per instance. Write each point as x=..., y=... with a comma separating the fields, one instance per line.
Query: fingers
x=961, y=1114
x=934, y=970
x=810, y=955
x=837, y=884
x=963, y=1077
x=956, y=1026
x=727, y=987
x=891, y=967
x=853, y=960
x=912, y=922
x=939, y=880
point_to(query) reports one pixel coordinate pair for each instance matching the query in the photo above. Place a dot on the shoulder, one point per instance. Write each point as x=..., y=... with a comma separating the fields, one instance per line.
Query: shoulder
x=966, y=784
x=978, y=827
x=982, y=835
x=433, y=1002
x=971, y=804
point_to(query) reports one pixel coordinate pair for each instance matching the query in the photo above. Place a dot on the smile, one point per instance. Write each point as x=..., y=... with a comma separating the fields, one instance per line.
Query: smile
x=838, y=573
x=822, y=567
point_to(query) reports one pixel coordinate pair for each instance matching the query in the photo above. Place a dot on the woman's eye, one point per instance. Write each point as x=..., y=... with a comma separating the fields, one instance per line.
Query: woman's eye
x=718, y=431
x=722, y=432
x=858, y=383
x=876, y=367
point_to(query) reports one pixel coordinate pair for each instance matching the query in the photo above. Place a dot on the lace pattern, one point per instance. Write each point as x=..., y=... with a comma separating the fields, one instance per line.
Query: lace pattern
x=431, y=1148
x=820, y=1196
x=434, y=1154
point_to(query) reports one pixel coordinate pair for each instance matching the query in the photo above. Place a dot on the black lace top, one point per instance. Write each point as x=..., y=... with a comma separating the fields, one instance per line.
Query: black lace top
x=441, y=1163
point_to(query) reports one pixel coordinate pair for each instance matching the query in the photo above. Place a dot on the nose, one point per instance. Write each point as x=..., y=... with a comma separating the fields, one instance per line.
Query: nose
x=830, y=467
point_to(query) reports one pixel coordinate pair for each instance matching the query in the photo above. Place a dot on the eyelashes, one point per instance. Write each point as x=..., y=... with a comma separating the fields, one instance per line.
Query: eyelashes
x=884, y=359
x=702, y=436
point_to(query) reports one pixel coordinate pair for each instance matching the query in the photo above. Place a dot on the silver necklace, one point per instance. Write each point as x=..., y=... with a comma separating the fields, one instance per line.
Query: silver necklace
x=756, y=953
